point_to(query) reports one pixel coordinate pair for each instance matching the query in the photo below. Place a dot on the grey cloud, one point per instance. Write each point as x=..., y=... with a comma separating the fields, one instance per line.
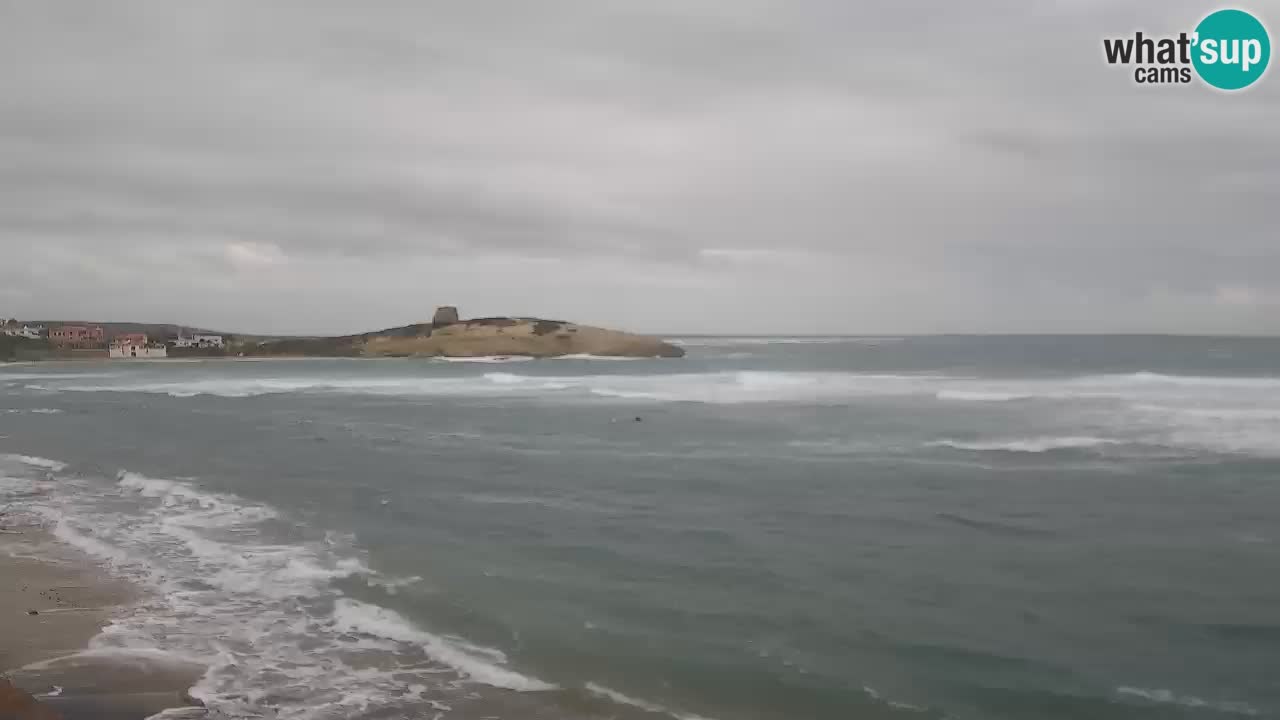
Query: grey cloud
x=669, y=166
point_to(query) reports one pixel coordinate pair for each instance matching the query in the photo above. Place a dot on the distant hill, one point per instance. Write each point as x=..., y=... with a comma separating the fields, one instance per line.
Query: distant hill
x=446, y=335
x=476, y=337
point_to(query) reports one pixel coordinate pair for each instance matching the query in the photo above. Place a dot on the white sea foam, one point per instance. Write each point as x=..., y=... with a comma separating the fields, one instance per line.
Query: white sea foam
x=1168, y=697
x=486, y=359
x=503, y=378
x=606, y=358
x=31, y=411
x=263, y=617
x=486, y=666
x=1027, y=445
x=392, y=585
x=1196, y=381
x=981, y=396
x=726, y=341
x=875, y=695
x=615, y=696
x=719, y=387
x=16, y=376
x=1250, y=426
x=39, y=462
x=1217, y=414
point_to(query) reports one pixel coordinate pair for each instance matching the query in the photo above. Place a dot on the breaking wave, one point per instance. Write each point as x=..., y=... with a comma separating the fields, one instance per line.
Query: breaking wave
x=485, y=359
x=1168, y=697
x=726, y=341
x=483, y=665
x=981, y=396
x=263, y=616
x=615, y=696
x=38, y=462
x=1027, y=445
x=1218, y=414
x=716, y=387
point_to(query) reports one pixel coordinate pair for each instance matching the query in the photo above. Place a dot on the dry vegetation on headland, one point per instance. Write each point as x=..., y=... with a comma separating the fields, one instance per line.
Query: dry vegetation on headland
x=471, y=338
x=445, y=336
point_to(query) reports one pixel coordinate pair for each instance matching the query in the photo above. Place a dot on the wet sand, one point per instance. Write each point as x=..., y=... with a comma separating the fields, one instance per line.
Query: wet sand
x=53, y=602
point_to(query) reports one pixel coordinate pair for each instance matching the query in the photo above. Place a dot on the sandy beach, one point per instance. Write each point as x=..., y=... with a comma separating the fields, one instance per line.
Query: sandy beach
x=53, y=602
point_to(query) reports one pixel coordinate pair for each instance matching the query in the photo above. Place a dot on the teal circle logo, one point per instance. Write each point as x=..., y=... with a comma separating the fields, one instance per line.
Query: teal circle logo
x=1232, y=49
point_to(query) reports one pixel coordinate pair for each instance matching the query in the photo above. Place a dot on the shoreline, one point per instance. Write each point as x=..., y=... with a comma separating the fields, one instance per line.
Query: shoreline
x=54, y=604
x=282, y=358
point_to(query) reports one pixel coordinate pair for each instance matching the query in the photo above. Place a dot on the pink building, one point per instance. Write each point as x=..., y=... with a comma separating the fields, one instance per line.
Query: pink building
x=81, y=337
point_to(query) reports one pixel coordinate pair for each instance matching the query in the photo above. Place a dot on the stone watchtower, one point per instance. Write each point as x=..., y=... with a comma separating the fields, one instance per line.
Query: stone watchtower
x=445, y=315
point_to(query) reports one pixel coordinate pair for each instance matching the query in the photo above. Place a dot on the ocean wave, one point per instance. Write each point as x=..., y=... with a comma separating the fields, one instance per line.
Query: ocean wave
x=874, y=695
x=650, y=707
x=729, y=341
x=982, y=396
x=1215, y=413
x=14, y=376
x=1198, y=413
x=723, y=386
x=1249, y=427
x=485, y=359
x=714, y=387
x=1168, y=697
x=264, y=617
x=1195, y=381
x=485, y=666
x=606, y=358
x=1027, y=445
x=38, y=462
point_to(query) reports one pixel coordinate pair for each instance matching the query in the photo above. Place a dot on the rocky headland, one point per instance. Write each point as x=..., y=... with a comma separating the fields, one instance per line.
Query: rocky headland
x=447, y=335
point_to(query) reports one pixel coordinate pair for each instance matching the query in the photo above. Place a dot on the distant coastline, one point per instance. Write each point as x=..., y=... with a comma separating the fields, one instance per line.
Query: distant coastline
x=447, y=335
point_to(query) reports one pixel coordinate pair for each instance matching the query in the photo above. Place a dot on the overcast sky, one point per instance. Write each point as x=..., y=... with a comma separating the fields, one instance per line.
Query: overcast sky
x=793, y=166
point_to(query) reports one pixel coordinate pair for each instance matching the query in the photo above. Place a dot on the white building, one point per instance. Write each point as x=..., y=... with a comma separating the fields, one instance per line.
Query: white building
x=198, y=341
x=31, y=332
x=133, y=350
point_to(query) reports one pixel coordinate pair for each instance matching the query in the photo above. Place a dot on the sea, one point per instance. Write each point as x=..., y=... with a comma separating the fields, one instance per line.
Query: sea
x=770, y=528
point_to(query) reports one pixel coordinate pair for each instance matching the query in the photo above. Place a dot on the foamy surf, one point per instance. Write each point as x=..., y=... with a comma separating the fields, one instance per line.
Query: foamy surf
x=1168, y=697
x=485, y=666
x=38, y=462
x=1027, y=445
x=982, y=396
x=615, y=696
x=1234, y=415
x=485, y=359
x=263, y=617
x=604, y=358
x=728, y=341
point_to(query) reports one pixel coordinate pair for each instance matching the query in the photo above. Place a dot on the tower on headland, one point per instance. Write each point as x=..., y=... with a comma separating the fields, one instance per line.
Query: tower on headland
x=445, y=315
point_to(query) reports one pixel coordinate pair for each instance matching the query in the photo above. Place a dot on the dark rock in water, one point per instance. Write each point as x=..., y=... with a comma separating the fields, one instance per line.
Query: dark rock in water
x=33, y=612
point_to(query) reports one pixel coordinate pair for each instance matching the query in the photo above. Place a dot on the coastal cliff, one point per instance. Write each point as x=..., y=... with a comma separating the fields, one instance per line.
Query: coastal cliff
x=449, y=336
